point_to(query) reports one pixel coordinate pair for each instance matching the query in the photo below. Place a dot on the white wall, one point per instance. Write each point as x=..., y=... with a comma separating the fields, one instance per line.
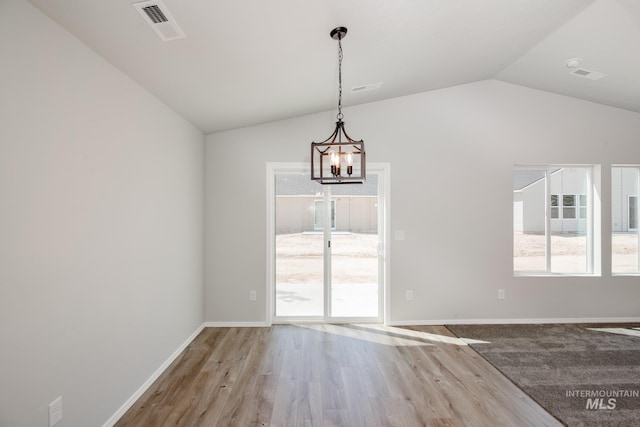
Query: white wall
x=101, y=222
x=452, y=154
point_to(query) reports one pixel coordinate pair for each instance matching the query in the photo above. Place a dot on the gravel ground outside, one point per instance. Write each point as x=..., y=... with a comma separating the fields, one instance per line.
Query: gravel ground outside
x=568, y=252
x=299, y=274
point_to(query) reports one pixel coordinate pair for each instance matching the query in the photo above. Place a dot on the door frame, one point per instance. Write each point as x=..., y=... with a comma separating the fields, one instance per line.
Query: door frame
x=384, y=185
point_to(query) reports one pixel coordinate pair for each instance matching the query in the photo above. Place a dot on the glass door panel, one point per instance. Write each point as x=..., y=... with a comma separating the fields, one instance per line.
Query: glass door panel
x=354, y=250
x=299, y=247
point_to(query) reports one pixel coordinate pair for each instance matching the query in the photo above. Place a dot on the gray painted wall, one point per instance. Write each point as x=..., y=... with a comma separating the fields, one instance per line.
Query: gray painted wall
x=452, y=196
x=101, y=223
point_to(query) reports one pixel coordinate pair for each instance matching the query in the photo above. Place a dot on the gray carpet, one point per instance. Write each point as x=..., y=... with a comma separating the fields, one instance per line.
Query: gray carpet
x=567, y=369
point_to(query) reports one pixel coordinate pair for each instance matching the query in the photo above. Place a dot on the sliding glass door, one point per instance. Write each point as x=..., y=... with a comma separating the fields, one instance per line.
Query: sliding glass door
x=328, y=249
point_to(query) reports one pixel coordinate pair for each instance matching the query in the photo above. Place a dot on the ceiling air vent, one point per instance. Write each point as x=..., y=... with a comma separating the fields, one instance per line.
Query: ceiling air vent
x=155, y=14
x=158, y=17
x=588, y=74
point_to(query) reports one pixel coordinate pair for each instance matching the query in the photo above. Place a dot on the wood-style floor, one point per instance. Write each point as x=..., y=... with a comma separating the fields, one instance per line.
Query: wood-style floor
x=333, y=375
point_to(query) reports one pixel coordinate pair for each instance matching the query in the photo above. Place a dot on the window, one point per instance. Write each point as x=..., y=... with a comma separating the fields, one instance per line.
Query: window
x=555, y=209
x=625, y=182
x=583, y=206
x=552, y=225
x=569, y=206
x=633, y=216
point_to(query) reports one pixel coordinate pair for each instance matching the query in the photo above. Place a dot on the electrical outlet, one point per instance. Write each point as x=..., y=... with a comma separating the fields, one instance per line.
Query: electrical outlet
x=500, y=293
x=252, y=295
x=409, y=295
x=55, y=411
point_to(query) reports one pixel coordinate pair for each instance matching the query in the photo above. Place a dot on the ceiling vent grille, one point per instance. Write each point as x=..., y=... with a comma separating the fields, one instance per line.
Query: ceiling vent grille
x=588, y=74
x=156, y=14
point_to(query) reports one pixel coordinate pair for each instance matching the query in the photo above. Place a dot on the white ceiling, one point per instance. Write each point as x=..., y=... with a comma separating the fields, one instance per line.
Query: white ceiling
x=245, y=62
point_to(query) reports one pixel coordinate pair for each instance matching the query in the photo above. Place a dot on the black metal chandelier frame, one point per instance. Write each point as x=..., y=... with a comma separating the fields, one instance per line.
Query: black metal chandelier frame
x=338, y=159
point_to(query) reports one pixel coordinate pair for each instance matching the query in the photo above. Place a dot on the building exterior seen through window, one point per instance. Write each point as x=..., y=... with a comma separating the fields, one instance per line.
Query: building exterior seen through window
x=553, y=225
x=624, y=219
x=552, y=232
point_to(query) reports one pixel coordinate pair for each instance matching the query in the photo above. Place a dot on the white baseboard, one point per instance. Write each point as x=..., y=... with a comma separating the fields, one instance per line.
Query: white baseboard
x=129, y=403
x=514, y=321
x=236, y=324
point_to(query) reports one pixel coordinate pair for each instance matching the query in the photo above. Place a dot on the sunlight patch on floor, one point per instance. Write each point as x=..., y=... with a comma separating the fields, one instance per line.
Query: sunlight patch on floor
x=474, y=341
x=633, y=332
x=421, y=335
x=386, y=335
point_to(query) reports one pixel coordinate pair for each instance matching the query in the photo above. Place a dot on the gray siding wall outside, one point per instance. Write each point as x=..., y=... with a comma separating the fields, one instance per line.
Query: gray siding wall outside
x=356, y=214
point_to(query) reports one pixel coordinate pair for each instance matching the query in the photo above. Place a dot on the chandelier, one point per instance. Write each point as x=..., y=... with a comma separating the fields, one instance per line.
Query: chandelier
x=338, y=159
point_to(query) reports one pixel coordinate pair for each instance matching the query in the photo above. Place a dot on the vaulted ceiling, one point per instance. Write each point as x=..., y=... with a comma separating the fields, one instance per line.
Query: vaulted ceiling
x=245, y=62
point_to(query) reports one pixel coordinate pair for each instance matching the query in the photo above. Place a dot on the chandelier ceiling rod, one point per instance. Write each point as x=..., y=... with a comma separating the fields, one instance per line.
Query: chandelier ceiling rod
x=338, y=34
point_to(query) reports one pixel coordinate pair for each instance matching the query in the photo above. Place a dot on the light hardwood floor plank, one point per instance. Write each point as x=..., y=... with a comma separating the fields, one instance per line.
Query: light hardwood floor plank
x=332, y=375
